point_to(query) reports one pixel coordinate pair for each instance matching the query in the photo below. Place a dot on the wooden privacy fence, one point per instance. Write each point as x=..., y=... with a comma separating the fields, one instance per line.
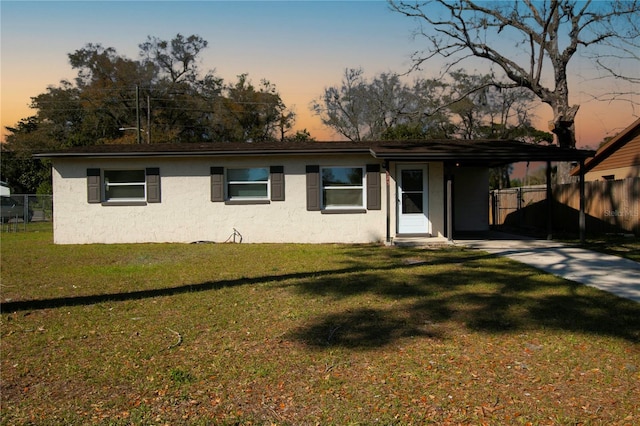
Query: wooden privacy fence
x=610, y=206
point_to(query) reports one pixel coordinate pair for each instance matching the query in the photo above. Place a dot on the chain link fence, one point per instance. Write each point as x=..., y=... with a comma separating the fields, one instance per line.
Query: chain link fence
x=20, y=211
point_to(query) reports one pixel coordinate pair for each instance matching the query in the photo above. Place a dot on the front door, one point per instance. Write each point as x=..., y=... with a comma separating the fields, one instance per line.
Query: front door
x=413, y=199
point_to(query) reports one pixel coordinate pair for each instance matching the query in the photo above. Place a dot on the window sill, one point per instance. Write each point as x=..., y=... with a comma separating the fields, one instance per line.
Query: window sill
x=343, y=211
x=124, y=203
x=245, y=202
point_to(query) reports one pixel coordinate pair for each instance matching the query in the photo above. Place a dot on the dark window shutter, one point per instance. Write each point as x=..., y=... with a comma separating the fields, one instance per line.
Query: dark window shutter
x=153, y=185
x=313, y=188
x=277, y=183
x=374, y=201
x=94, y=190
x=217, y=184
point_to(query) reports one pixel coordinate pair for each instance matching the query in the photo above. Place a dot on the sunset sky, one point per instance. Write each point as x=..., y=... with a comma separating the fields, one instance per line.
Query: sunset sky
x=300, y=46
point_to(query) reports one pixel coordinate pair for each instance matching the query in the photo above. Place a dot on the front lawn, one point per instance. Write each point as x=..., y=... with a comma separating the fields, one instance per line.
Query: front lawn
x=622, y=246
x=305, y=334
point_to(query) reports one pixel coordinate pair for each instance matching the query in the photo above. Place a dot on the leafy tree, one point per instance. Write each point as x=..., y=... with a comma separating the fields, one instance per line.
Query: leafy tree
x=106, y=86
x=254, y=113
x=23, y=173
x=163, y=94
x=285, y=124
x=182, y=100
x=174, y=60
x=404, y=132
x=532, y=43
x=300, y=136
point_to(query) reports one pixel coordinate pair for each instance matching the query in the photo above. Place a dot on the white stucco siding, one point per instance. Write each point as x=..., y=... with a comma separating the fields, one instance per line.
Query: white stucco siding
x=187, y=214
x=436, y=197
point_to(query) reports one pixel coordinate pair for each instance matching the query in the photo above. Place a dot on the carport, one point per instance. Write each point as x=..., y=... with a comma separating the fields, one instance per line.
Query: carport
x=481, y=153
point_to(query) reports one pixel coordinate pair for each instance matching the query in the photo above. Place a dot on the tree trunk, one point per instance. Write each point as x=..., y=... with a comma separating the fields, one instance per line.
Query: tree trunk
x=563, y=125
x=563, y=173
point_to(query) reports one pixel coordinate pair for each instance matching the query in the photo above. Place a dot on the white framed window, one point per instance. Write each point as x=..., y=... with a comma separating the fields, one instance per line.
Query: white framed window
x=125, y=185
x=342, y=187
x=248, y=183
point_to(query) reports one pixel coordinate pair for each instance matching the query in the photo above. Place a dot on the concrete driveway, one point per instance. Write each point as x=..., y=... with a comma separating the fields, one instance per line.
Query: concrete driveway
x=605, y=272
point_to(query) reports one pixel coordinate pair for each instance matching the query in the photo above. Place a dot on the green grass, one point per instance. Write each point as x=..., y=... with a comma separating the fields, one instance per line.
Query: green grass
x=627, y=247
x=305, y=334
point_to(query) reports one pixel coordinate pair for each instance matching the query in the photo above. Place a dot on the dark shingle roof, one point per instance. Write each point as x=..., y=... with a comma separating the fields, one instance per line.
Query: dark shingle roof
x=205, y=149
x=476, y=152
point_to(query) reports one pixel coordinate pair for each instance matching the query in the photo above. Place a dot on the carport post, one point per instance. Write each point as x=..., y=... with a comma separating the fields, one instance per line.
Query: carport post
x=387, y=188
x=583, y=219
x=549, y=203
x=450, y=206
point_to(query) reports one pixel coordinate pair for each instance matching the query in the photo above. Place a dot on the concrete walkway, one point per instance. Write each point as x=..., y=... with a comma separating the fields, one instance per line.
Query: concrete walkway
x=609, y=273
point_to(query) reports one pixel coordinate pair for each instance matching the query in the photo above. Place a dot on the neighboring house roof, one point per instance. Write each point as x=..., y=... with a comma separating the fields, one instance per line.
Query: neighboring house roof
x=477, y=152
x=623, y=150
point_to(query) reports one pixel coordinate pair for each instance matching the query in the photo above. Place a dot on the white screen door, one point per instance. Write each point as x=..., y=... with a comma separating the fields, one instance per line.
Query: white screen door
x=413, y=199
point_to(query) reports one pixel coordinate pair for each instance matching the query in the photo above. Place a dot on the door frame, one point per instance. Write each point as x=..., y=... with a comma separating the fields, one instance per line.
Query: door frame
x=421, y=223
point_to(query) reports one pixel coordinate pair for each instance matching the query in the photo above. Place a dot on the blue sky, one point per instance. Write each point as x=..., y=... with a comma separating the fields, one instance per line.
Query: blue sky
x=300, y=46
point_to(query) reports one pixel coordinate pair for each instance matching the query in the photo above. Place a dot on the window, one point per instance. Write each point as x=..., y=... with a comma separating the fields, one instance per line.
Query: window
x=125, y=185
x=257, y=185
x=342, y=187
x=248, y=184
x=137, y=186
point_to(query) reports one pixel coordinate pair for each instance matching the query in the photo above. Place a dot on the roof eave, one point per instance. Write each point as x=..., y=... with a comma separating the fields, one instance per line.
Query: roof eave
x=174, y=154
x=494, y=159
x=608, y=148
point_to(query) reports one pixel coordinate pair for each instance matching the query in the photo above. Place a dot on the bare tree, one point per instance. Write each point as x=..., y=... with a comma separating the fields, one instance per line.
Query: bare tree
x=361, y=109
x=532, y=42
x=343, y=108
x=492, y=112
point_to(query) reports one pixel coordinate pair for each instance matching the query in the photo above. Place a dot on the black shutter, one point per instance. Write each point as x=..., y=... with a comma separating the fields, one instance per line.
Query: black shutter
x=277, y=183
x=374, y=201
x=313, y=188
x=217, y=184
x=94, y=190
x=153, y=185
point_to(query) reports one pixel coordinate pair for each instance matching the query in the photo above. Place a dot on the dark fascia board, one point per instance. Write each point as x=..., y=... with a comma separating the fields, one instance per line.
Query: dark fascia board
x=498, y=158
